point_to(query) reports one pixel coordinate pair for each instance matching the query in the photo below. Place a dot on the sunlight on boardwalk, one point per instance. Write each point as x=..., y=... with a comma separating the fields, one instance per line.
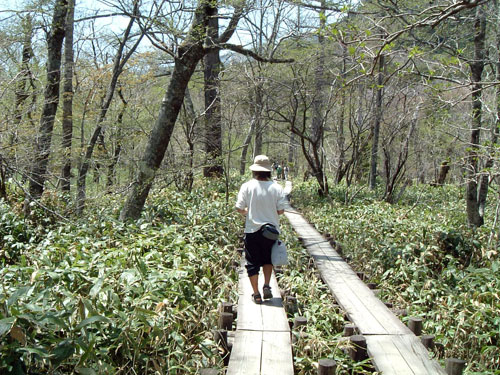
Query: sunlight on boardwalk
x=393, y=348
x=262, y=343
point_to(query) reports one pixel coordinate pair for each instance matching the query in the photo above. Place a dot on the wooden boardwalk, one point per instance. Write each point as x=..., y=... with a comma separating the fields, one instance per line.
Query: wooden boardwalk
x=262, y=341
x=392, y=347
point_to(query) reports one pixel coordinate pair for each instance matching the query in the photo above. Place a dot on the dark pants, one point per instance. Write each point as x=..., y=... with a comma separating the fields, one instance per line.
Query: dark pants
x=257, y=252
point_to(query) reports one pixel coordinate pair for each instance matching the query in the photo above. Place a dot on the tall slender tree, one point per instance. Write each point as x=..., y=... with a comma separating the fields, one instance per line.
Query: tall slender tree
x=213, y=118
x=474, y=217
x=67, y=117
x=51, y=100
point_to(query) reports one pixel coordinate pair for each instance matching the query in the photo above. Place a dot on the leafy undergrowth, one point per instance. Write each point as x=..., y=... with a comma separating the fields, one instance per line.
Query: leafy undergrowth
x=425, y=260
x=99, y=296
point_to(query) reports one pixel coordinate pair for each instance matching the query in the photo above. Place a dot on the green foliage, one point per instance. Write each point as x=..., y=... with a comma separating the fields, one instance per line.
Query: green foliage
x=425, y=259
x=103, y=297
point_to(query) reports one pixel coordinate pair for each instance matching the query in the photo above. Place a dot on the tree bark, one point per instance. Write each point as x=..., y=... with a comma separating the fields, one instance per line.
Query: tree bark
x=67, y=120
x=159, y=139
x=246, y=144
x=257, y=119
x=213, y=117
x=118, y=147
x=477, y=66
x=51, y=101
x=340, y=129
x=376, y=124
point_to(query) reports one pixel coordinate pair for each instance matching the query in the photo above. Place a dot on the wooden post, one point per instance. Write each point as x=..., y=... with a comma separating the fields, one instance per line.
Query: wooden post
x=388, y=304
x=226, y=321
x=455, y=366
x=226, y=307
x=327, y=367
x=220, y=337
x=349, y=330
x=428, y=341
x=371, y=285
x=415, y=325
x=299, y=321
x=291, y=304
x=439, y=349
x=361, y=275
x=358, y=351
x=400, y=312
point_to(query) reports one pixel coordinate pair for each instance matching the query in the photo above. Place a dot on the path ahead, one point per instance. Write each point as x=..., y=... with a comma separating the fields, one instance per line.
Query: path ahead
x=393, y=348
x=262, y=343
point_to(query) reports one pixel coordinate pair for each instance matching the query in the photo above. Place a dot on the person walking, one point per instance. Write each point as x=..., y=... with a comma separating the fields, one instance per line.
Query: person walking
x=260, y=201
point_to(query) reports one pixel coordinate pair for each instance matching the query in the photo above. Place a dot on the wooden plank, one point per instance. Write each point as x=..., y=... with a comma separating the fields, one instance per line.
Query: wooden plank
x=358, y=301
x=246, y=353
x=277, y=358
x=361, y=305
x=402, y=355
x=269, y=316
x=393, y=347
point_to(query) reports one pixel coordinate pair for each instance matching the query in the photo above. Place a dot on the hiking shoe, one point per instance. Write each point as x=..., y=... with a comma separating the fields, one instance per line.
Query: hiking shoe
x=267, y=292
x=257, y=298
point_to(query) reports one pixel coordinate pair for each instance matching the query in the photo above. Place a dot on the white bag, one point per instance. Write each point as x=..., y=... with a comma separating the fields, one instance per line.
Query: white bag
x=279, y=256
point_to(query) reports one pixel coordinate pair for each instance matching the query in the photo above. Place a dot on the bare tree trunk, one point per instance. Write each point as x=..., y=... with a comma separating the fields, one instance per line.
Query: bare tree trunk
x=376, y=125
x=485, y=177
x=118, y=64
x=51, y=101
x=3, y=174
x=318, y=118
x=443, y=172
x=24, y=76
x=291, y=149
x=67, y=120
x=477, y=66
x=244, y=149
x=257, y=120
x=213, y=117
x=340, y=129
x=190, y=52
x=394, y=177
x=118, y=147
x=162, y=131
x=190, y=126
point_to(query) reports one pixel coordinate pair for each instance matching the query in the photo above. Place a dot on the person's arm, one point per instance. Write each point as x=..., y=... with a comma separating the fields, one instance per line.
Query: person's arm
x=242, y=211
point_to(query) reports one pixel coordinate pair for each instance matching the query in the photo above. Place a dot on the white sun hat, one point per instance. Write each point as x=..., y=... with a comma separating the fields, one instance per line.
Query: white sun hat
x=261, y=163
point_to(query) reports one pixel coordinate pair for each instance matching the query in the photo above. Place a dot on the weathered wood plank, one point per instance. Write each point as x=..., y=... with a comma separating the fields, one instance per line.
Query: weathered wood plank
x=269, y=316
x=402, y=355
x=246, y=354
x=277, y=355
x=393, y=347
x=368, y=312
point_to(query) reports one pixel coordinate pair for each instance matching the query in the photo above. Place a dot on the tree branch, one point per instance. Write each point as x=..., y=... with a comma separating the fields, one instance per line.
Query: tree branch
x=246, y=52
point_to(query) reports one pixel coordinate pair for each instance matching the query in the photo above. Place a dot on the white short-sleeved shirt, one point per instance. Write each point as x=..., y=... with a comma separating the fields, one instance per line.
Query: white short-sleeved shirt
x=263, y=199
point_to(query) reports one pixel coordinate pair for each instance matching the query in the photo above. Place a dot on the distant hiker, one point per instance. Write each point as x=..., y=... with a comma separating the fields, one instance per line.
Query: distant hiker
x=261, y=201
x=278, y=171
x=285, y=172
